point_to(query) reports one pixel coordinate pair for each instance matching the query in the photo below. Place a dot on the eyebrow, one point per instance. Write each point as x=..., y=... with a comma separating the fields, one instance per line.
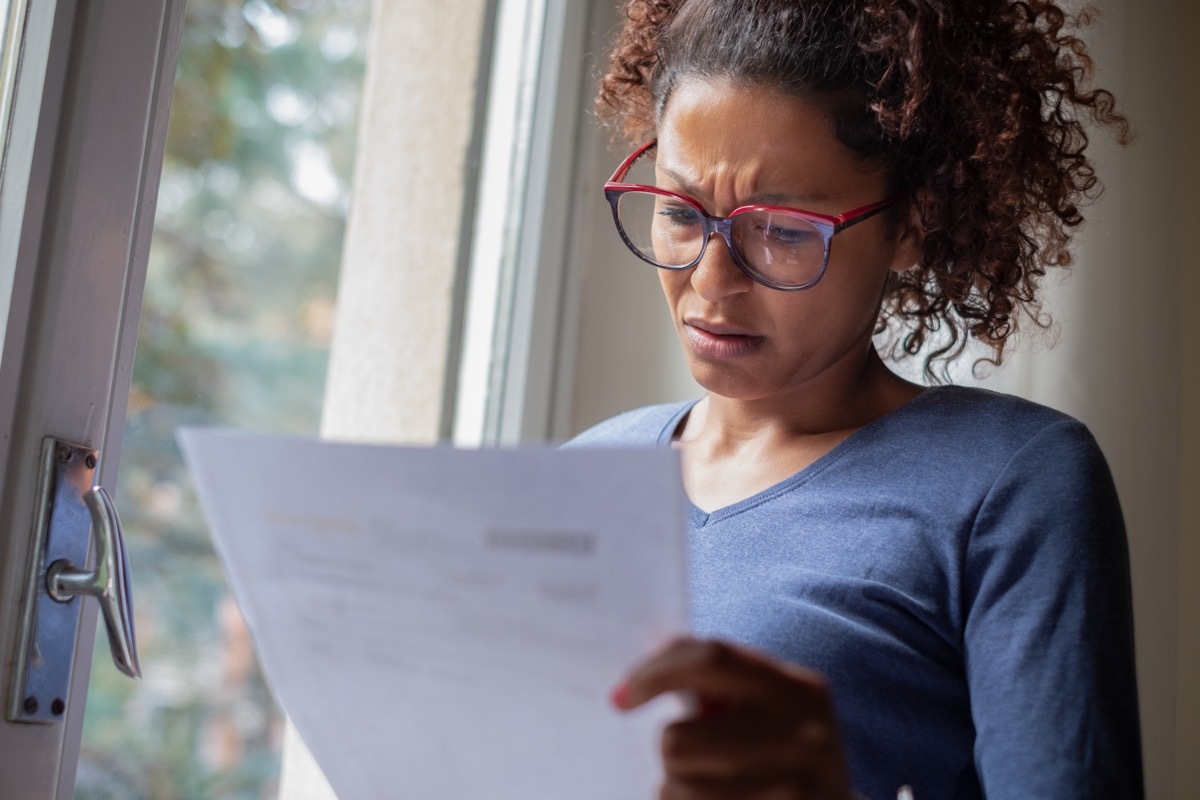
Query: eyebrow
x=794, y=199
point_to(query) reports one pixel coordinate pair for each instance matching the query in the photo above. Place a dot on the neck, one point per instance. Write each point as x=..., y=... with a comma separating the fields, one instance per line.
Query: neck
x=836, y=403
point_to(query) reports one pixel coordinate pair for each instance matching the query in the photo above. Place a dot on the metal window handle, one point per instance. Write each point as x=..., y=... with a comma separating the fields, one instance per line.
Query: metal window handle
x=108, y=581
x=71, y=516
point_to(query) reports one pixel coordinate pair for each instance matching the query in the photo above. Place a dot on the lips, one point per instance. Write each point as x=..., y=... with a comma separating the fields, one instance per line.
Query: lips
x=717, y=328
x=720, y=340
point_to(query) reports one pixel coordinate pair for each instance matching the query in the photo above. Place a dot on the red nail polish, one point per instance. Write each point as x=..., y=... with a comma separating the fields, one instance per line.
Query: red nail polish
x=620, y=695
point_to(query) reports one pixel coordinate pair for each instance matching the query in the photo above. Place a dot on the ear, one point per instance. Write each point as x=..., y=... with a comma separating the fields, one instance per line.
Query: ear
x=910, y=240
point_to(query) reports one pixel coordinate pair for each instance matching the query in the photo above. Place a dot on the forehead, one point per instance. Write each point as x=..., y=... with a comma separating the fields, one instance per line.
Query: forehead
x=725, y=138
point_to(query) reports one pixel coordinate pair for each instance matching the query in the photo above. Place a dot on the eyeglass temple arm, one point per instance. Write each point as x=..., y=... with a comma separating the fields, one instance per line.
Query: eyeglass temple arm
x=857, y=215
x=619, y=175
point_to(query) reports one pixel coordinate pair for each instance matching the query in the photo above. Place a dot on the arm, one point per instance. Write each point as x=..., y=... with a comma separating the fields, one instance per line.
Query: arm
x=1048, y=639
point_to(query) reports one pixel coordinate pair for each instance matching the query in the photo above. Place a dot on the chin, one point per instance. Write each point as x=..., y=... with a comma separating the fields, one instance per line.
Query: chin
x=724, y=381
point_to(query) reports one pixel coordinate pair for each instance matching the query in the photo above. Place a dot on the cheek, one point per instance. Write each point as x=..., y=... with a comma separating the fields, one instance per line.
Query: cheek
x=673, y=283
x=858, y=274
x=847, y=299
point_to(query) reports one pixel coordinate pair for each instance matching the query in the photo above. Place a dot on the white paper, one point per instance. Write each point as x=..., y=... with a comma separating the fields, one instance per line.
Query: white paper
x=448, y=624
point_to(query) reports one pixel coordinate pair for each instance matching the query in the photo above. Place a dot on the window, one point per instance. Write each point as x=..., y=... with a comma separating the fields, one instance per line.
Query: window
x=235, y=329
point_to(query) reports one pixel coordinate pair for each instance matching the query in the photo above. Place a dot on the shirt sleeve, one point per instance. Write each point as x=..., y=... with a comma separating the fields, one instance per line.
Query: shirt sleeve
x=1048, y=634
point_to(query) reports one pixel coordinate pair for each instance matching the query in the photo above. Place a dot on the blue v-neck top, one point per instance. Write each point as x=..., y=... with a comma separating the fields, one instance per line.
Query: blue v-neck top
x=958, y=570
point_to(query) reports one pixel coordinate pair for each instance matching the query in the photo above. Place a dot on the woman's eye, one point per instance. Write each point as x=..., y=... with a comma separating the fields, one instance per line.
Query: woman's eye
x=679, y=215
x=780, y=234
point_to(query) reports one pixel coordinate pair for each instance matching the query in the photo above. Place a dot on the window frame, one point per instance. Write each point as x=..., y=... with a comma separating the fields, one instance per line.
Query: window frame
x=80, y=187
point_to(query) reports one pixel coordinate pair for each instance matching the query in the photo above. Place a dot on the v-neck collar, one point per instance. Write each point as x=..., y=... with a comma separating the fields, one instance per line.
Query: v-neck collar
x=861, y=437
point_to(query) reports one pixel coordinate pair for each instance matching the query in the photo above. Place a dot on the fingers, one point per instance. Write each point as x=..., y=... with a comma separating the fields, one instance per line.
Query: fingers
x=735, y=790
x=752, y=756
x=723, y=675
x=762, y=729
x=747, y=744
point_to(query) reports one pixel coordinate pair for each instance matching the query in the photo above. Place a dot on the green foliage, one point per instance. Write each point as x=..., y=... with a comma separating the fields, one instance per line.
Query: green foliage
x=234, y=330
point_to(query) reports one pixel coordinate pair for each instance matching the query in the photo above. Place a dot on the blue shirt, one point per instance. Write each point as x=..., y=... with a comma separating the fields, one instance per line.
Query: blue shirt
x=958, y=569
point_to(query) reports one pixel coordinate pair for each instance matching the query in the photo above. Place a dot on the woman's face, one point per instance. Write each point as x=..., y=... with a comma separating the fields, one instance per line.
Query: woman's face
x=728, y=145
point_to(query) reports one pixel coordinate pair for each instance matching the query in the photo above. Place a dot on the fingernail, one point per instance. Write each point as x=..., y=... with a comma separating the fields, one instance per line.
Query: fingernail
x=620, y=695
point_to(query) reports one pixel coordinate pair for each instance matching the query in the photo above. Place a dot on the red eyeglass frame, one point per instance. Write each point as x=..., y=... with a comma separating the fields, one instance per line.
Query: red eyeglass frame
x=827, y=224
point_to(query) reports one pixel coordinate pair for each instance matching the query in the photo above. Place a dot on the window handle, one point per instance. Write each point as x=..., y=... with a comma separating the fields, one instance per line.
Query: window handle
x=71, y=515
x=108, y=581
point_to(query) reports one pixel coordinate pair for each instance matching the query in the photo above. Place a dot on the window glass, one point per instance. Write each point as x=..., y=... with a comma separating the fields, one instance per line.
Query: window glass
x=12, y=16
x=10, y=50
x=235, y=330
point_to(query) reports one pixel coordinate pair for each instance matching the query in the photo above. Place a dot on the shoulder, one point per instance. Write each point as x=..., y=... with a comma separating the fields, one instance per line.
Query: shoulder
x=992, y=457
x=1036, y=477
x=642, y=427
x=967, y=408
x=981, y=426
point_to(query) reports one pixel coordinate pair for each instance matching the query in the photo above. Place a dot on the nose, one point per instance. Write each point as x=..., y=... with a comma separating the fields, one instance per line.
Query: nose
x=718, y=275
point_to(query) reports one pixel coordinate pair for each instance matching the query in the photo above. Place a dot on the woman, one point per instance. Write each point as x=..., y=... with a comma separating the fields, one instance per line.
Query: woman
x=891, y=584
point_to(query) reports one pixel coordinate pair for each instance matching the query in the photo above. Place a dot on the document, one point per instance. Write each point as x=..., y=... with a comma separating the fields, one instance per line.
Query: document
x=444, y=623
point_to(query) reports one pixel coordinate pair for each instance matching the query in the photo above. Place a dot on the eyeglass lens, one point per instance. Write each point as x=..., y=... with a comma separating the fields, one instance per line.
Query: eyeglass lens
x=782, y=248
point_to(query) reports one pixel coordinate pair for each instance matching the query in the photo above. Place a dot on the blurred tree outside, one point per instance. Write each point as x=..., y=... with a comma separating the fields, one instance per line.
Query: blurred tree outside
x=235, y=331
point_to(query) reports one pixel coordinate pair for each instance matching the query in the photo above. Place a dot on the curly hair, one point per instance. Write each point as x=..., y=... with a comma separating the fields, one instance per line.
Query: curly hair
x=975, y=110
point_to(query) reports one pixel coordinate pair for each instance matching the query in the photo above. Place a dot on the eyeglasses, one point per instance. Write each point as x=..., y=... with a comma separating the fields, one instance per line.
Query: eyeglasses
x=779, y=247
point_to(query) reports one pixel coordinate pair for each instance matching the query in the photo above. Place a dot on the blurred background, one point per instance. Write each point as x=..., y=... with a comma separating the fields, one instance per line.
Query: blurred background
x=235, y=330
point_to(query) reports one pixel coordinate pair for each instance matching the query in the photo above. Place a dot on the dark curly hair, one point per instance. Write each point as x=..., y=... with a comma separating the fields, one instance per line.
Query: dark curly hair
x=975, y=109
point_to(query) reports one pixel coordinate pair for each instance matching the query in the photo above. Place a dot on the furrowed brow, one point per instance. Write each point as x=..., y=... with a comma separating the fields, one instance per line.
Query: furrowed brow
x=682, y=184
x=798, y=200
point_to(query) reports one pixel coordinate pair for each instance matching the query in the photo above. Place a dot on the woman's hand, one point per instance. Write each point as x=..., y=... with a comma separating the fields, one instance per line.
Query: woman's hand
x=760, y=728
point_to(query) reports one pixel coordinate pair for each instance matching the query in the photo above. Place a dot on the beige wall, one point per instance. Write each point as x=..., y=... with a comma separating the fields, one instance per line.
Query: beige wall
x=1117, y=364
x=1187, y=78
x=387, y=366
